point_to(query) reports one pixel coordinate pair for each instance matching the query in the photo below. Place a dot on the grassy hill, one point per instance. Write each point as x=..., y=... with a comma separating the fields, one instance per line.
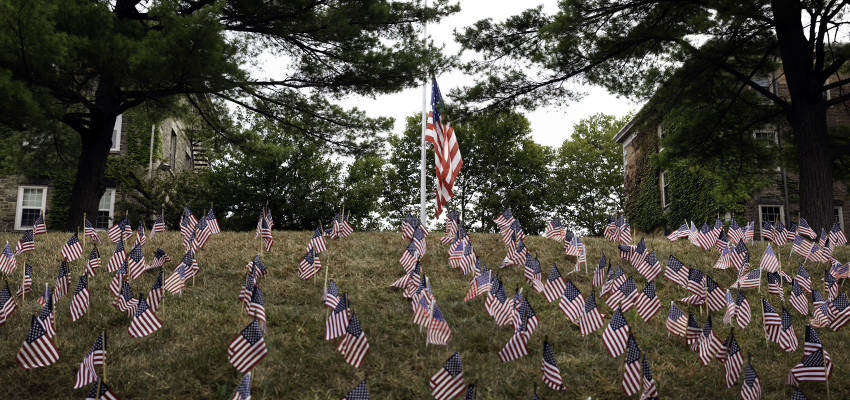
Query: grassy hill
x=187, y=358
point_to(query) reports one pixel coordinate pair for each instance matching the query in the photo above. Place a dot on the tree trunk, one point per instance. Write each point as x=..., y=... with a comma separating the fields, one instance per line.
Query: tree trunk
x=814, y=156
x=806, y=114
x=91, y=169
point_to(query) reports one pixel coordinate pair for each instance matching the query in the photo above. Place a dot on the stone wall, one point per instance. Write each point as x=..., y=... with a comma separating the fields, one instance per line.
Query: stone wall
x=9, y=197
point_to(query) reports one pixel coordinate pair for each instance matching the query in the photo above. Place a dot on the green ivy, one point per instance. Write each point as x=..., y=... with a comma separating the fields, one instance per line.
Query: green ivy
x=643, y=197
x=62, y=183
x=691, y=197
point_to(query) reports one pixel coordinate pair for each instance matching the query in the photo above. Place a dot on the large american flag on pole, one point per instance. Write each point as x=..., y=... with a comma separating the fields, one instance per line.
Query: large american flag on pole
x=446, y=152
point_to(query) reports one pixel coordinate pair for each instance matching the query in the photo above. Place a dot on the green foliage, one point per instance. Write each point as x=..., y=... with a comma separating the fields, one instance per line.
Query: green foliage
x=79, y=64
x=587, y=180
x=691, y=198
x=704, y=65
x=364, y=183
x=502, y=167
x=61, y=183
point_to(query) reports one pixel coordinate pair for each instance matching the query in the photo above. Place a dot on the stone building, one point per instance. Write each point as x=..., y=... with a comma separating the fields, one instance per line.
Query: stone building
x=23, y=198
x=771, y=203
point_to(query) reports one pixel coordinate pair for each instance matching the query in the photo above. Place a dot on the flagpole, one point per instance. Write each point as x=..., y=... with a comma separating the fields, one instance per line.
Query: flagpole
x=422, y=198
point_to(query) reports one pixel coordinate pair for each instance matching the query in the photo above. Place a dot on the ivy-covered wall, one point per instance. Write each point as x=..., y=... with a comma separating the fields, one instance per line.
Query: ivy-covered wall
x=643, y=197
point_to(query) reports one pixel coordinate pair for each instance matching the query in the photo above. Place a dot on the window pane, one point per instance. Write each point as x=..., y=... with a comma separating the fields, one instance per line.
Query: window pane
x=32, y=198
x=835, y=212
x=28, y=216
x=102, y=221
x=105, y=201
x=770, y=214
x=116, y=134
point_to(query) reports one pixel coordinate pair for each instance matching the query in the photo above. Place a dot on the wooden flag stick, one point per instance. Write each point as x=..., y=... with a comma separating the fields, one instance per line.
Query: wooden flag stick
x=671, y=307
x=762, y=322
x=325, y=291
x=826, y=378
x=430, y=310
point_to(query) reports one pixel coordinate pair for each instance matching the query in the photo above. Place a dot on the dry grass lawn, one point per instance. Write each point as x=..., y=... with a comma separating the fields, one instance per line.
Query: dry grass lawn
x=187, y=358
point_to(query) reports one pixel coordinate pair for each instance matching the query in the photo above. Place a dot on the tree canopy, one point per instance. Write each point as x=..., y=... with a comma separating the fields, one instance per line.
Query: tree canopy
x=79, y=64
x=713, y=67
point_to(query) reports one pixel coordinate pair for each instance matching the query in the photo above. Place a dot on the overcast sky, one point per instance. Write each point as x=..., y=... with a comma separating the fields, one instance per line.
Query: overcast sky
x=549, y=126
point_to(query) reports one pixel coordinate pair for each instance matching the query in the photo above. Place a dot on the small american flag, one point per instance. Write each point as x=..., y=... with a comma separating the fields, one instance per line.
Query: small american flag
x=125, y=301
x=632, y=375
x=751, y=389
x=141, y=238
x=517, y=346
x=555, y=285
x=360, y=392
x=63, y=281
x=212, y=222
x=25, y=243
x=156, y=293
x=709, y=344
x=533, y=273
x=105, y=392
x=38, y=349
x=338, y=320
x=676, y=321
x=119, y=256
x=447, y=383
x=93, y=263
x=650, y=268
x=38, y=227
x=80, y=301
x=733, y=362
x=769, y=261
x=551, y=373
x=801, y=246
x=438, y=329
x=591, y=319
x=243, y=391
x=798, y=395
x=705, y=239
x=750, y=280
x=480, y=285
x=158, y=225
x=767, y=231
x=554, y=229
x=505, y=219
x=772, y=322
x=677, y=234
x=693, y=335
x=650, y=390
x=353, y=344
x=94, y=358
x=804, y=229
x=647, y=303
x=247, y=348
x=203, y=233
x=836, y=235
x=616, y=335
x=159, y=258
x=176, y=281
x=72, y=249
x=798, y=300
x=525, y=311
x=774, y=285
x=318, y=241
x=624, y=295
x=735, y=232
x=7, y=305
x=599, y=272
x=676, y=272
x=787, y=336
x=779, y=234
x=256, y=308
x=116, y=232
x=46, y=317
x=842, y=314
x=714, y=299
x=309, y=264
x=136, y=262
x=26, y=285
x=331, y=297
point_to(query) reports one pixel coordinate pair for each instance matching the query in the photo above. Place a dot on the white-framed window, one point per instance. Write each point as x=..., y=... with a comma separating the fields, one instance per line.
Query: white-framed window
x=838, y=212
x=105, y=210
x=32, y=201
x=766, y=81
x=767, y=134
x=771, y=213
x=116, y=135
x=665, y=189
